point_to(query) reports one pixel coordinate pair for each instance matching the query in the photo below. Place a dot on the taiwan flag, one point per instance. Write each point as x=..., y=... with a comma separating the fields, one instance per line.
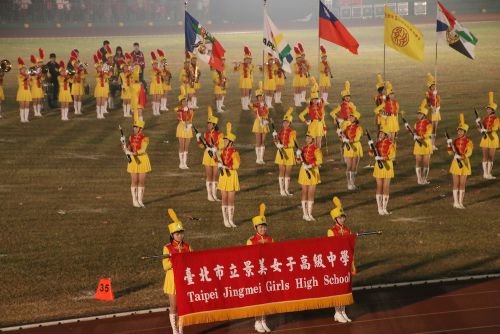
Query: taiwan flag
x=333, y=31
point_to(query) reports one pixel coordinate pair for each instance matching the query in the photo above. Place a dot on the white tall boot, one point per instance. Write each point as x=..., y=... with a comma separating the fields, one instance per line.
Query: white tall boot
x=230, y=215
x=133, y=190
x=181, y=160
x=79, y=107
x=485, y=170
x=140, y=196
x=324, y=96
x=305, y=214
x=129, y=114
x=163, y=104
x=124, y=106
x=104, y=109
x=258, y=325
x=385, y=201
x=243, y=106
x=310, y=205
x=262, y=150
x=287, y=187
x=225, y=216
x=269, y=102
x=257, y=154
x=338, y=315
x=344, y=314
x=490, y=169
x=208, y=184
x=296, y=100
x=27, y=115
x=418, y=171
x=264, y=323
x=195, y=102
x=281, y=181
x=461, y=195
x=21, y=115
x=173, y=319
x=379, y=204
x=214, y=191
x=348, y=180
x=222, y=101
x=277, y=98
x=425, y=175
x=185, y=160
x=433, y=142
x=456, y=201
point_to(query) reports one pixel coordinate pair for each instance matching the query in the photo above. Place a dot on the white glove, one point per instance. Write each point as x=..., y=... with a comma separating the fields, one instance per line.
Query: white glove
x=306, y=166
x=339, y=132
x=219, y=165
x=345, y=140
x=379, y=158
x=370, y=142
x=449, y=142
x=434, y=92
x=275, y=134
x=213, y=149
x=483, y=130
x=279, y=146
x=478, y=120
x=265, y=122
x=384, y=97
x=416, y=137
x=122, y=140
x=457, y=156
x=198, y=136
x=189, y=126
x=308, y=122
x=298, y=153
x=438, y=108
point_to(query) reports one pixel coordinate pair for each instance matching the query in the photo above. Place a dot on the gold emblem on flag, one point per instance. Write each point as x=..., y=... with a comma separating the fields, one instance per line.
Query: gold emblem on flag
x=451, y=36
x=400, y=36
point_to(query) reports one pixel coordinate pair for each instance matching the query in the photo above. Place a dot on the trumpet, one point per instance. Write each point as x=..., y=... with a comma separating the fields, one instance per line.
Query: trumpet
x=70, y=72
x=83, y=66
x=106, y=68
x=33, y=70
x=5, y=65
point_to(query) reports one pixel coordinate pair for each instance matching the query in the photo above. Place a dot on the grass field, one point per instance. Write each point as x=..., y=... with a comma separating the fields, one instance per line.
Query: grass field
x=67, y=218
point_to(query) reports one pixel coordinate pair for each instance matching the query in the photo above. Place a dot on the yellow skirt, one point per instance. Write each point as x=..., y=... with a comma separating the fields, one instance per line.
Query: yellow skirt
x=2, y=96
x=140, y=164
x=229, y=183
x=269, y=84
x=305, y=180
x=284, y=161
x=77, y=89
x=36, y=92
x=389, y=124
x=456, y=170
x=101, y=91
x=169, y=285
x=280, y=81
x=387, y=172
x=246, y=83
x=316, y=129
x=297, y=81
x=65, y=96
x=218, y=90
x=324, y=81
x=424, y=149
x=208, y=160
x=126, y=93
x=156, y=88
x=355, y=151
x=182, y=131
x=23, y=95
x=436, y=116
x=258, y=128
x=491, y=141
x=167, y=88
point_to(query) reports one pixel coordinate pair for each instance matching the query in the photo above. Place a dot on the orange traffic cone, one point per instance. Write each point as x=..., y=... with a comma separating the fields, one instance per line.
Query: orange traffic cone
x=104, y=290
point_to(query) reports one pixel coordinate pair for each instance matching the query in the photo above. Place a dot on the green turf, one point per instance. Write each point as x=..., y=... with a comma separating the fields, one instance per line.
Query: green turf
x=67, y=218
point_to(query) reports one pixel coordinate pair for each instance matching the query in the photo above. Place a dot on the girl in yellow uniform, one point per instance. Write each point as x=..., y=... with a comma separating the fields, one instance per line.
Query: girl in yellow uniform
x=285, y=141
x=23, y=91
x=137, y=91
x=246, y=77
x=64, y=91
x=219, y=79
x=139, y=164
x=260, y=125
x=379, y=99
x=261, y=237
x=101, y=91
x=214, y=141
x=187, y=80
x=350, y=134
x=196, y=73
x=434, y=103
x=310, y=158
x=279, y=75
x=184, y=131
x=126, y=83
x=37, y=79
x=78, y=86
x=316, y=125
x=386, y=151
x=269, y=80
x=176, y=246
x=388, y=111
x=339, y=217
x=422, y=148
x=461, y=148
x=306, y=68
x=156, y=86
x=165, y=79
x=489, y=142
x=325, y=74
x=300, y=72
x=229, y=182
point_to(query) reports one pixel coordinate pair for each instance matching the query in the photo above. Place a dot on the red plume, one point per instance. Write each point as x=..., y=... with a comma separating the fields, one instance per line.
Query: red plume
x=33, y=59
x=74, y=54
x=247, y=51
x=296, y=49
x=128, y=56
x=161, y=53
x=61, y=64
x=41, y=53
x=20, y=61
x=153, y=55
x=301, y=48
x=322, y=48
x=108, y=49
x=96, y=59
x=99, y=54
x=72, y=59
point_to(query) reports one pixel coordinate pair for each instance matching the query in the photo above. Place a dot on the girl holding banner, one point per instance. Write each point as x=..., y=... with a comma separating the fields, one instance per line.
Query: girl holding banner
x=260, y=125
x=176, y=245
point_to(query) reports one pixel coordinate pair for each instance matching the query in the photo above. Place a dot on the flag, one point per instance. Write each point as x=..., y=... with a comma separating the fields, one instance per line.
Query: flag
x=200, y=42
x=275, y=44
x=333, y=31
x=403, y=36
x=457, y=36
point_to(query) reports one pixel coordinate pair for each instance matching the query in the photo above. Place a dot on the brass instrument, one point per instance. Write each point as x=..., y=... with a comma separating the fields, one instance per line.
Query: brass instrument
x=33, y=70
x=83, y=66
x=5, y=65
x=70, y=72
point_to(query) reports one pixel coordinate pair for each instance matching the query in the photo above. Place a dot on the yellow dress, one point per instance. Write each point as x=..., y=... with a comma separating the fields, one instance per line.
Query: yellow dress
x=169, y=283
x=184, y=80
x=269, y=77
x=434, y=102
x=279, y=77
x=23, y=91
x=185, y=118
x=126, y=93
x=289, y=150
x=231, y=182
x=313, y=172
x=140, y=163
x=135, y=90
x=355, y=144
x=491, y=140
x=324, y=75
x=78, y=84
x=246, y=75
x=166, y=76
x=388, y=123
x=156, y=86
x=466, y=167
x=64, y=90
x=101, y=85
x=207, y=159
x=298, y=76
x=219, y=88
x=426, y=147
x=36, y=87
x=387, y=171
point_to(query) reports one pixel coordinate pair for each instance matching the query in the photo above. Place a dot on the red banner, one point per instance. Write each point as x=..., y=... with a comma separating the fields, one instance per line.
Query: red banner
x=240, y=282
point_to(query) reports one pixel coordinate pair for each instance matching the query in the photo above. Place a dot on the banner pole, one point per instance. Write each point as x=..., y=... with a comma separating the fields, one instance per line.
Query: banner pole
x=385, y=79
x=263, y=48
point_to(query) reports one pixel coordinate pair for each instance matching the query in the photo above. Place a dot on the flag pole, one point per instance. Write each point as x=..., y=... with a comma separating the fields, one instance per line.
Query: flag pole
x=435, y=66
x=319, y=43
x=263, y=48
x=384, y=41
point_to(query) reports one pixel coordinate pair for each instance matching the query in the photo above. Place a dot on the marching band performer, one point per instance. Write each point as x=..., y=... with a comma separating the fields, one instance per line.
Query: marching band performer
x=261, y=237
x=138, y=91
x=316, y=126
x=388, y=110
x=339, y=217
x=260, y=125
x=139, y=165
x=246, y=77
x=306, y=67
x=379, y=99
x=285, y=141
x=489, y=142
x=77, y=88
x=101, y=90
x=229, y=182
x=300, y=74
x=461, y=148
x=166, y=76
x=187, y=80
x=311, y=158
x=269, y=80
x=184, y=130
x=220, y=82
x=108, y=64
x=64, y=91
x=195, y=73
x=422, y=148
x=37, y=79
x=215, y=144
x=279, y=74
x=156, y=86
x=342, y=112
x=126, y=83
x=386, y=152
x=434, y=103
x=23, y=91
x=176, y=245
x=324, y=75
x=351, y=133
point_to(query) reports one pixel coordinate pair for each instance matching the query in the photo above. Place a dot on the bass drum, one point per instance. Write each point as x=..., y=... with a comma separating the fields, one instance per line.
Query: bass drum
x=48, y=89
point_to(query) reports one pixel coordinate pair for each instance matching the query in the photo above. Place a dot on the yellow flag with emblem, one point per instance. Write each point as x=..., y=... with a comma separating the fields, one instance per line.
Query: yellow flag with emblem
x=403, y=36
